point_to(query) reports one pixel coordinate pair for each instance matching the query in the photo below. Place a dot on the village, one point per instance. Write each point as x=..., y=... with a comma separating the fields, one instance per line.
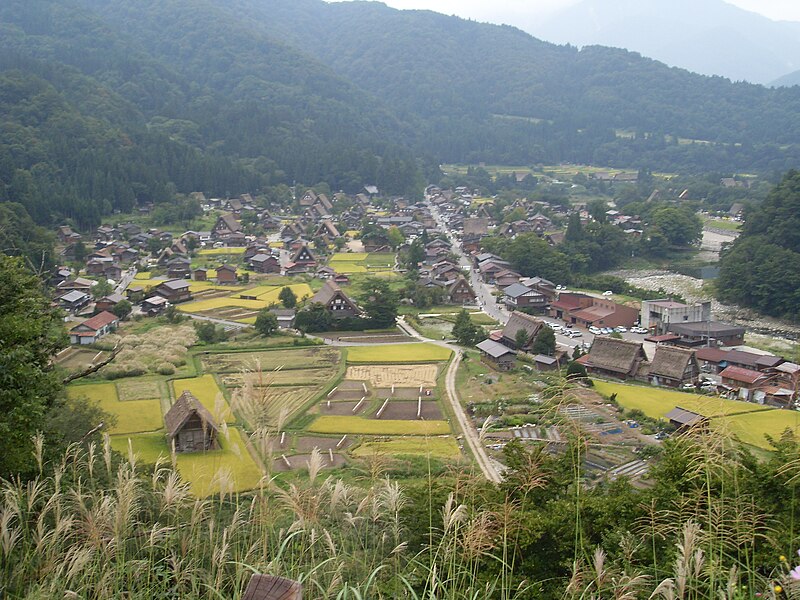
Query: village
x=327, y=380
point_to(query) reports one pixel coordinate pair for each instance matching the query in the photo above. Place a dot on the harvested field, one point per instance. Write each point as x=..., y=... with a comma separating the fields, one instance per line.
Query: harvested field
x=77, y=359
x=342, y=409
x=139, y=389
x=220, y=251
x=350, y=385
x=225, y=302
x=397, y=375
x=300, y=358
x=270, y=406
x=300, y=461
x=206, y=390
x=439, y=447
x=355, y=394
x=398, y=353
x=406, y=393
x=308, y=443
x=359, y=425
x=349, y=257
x=408, y=411
x=282, y=377
x=397, y=338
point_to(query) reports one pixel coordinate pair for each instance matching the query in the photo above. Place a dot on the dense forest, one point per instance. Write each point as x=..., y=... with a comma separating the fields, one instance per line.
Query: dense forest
x=761, y=269
x=106, y=104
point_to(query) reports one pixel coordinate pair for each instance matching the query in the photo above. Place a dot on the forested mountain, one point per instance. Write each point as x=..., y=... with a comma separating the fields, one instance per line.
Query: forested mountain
x=712, y=37
x=792, y=78
x=761, y=269
x=106, y=103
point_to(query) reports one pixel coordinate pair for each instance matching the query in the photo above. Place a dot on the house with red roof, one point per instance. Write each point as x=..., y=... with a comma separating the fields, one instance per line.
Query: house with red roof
x=91, y=330
x=746, y=384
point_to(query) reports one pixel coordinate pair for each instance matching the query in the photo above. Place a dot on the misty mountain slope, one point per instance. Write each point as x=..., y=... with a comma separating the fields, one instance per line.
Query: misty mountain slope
x=710, y=37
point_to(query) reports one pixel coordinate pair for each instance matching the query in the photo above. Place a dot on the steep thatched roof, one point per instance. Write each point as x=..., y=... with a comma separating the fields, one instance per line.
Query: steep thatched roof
x=519, y=320
x=270, y=587
x=616, y=356
x=671, y=362
x=184, y=408
x=329, y=291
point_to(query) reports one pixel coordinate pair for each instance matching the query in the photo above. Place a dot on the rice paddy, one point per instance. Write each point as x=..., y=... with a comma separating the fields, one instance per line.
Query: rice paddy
x=359, y=425
x=754, y=427
x=361, y=262
x=398, y=353
x=133, y=416
x=284, y=359
x=206, y=390
x=657, y=402
x=391, y=375
x=438, y=447
x=233, y=251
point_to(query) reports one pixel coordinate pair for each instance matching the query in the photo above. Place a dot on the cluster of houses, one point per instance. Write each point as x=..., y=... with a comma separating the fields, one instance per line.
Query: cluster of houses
x=500, y=349
x=736, y=374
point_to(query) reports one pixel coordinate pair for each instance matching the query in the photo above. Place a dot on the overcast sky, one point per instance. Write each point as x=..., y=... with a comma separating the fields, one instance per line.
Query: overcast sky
x=504, y=11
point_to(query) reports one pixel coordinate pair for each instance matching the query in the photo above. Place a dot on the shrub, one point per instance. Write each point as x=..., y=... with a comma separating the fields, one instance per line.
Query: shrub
x=165, y=369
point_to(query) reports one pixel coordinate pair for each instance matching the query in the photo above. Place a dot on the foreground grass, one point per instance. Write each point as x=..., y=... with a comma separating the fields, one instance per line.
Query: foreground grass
x=397, y=353
x=360, y=425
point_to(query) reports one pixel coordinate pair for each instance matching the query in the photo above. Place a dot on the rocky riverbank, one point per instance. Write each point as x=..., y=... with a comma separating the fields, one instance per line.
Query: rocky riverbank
x=691, y=289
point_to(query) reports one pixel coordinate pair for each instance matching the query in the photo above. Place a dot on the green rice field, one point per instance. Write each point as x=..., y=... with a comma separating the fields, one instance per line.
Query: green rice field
x=397, y=353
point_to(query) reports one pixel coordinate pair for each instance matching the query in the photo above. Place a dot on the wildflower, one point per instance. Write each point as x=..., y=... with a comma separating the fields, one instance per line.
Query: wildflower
x=778, y=589
x=782, y=558
x=795, y=573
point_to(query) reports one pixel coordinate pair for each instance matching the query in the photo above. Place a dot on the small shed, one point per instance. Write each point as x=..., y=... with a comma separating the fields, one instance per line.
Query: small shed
x=190, y=426
x=684, y=420
x=500, y=356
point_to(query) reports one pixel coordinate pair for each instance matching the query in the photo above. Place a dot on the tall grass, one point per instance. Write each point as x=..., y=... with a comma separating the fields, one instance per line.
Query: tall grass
x=96, y=526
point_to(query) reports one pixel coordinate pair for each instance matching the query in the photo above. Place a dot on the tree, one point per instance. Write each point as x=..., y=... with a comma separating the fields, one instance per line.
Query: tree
x=465, y=331
x=545, y=342
x=209, y=332
x=102, y=288
x=122, y=309
x=287, y=297
x=381, y=303
x=79, y=251
x=395, y=237
x=679, y=225
x=521, y=338
x=267, y=322
x=576, y=370
x=30, y=334
x=314, y=317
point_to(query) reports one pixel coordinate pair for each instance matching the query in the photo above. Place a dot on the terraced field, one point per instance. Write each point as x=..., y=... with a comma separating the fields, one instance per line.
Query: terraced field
x=360, y=425
x=395, y=375
x=284, y=359
x=438, y=447
x=133, y=416
x=282, y=377
x=274, y=405
x=206, y=390
x=398, y=353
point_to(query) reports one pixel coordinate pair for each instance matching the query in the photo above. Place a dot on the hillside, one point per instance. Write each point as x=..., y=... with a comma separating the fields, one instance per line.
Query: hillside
x=791, y=79
x=711, y=37
x=110, y=103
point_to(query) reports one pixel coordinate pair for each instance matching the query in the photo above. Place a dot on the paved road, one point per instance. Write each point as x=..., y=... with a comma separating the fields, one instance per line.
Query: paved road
x=228, y=325
x=126, y=280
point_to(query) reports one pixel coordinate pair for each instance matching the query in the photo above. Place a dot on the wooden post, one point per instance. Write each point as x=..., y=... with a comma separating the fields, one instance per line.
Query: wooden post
x=381, y=409
x=333, y=391
x=269, y=587
x=286, y=461
x=329, y=404
x=392, y=389
x=341, y=441
x=357, y=406
x=283, y=438
x=330, y=453
x=419, y=407
x=364, y=385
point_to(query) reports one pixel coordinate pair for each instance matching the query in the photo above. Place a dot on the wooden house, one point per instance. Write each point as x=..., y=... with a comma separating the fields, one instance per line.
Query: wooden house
x=190, y=426
x=500, y=356
x=336, y=301
x=304, y=256
x=200, y=274
x=226, y=274
x=611, y=357
x=265, y=263
x=673, y=367
x=174, y=290
x=517, y=322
